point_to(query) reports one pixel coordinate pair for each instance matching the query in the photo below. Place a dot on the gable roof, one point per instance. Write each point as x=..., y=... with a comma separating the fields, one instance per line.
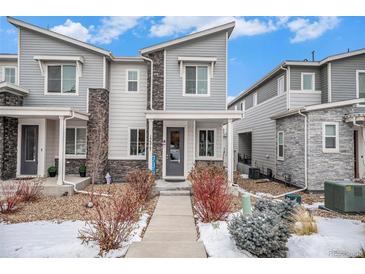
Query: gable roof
x=295, y=63
x=228, y=27
x=20, y=23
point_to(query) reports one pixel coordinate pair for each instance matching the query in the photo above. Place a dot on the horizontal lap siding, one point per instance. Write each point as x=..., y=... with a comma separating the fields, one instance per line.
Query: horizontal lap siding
x=296, y=77
x=263, y=130
x=304, y=99
x=209, y=46
x=125, y=109
x=344, y=77
x=269, y=89
x=324, y=84
x=33, y=44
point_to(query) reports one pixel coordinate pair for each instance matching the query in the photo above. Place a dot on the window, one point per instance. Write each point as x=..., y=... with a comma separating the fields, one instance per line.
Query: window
x=361, y=83
x=9, y=75
x=132, y=83
x=61, y=79
x=76, y=141
x=206, y=143
x=308, y=81
x=243, y=105
x=254, y=103
x=281, y=85
x=196, y=80
x=280, y=145
x=137, y=142
x=330, y=137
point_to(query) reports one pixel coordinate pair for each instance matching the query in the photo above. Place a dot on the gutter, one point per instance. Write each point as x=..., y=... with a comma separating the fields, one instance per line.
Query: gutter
x=151, y=85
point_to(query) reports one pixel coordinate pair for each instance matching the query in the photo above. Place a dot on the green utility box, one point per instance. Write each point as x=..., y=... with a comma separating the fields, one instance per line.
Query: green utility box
x=294, y=197
x=344, y=196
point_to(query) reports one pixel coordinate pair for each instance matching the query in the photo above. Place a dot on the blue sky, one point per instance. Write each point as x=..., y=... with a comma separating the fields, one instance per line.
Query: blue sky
x=257, y=45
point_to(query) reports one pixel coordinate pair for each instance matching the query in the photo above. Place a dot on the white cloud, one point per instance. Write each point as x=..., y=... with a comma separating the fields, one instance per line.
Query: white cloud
x=172, y=25
x=109, y=29
x=305, y=29
x=74, y=29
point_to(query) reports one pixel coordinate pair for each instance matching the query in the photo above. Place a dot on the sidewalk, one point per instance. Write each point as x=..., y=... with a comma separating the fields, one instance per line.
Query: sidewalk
x=171, y=232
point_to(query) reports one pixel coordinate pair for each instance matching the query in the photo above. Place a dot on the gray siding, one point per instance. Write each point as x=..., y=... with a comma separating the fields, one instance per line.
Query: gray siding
x=324, y=84
x=301, y=99
x=344, y=77
x=269, y=89
x=126, y=109
x=263, y=128
x=296, y=77
x=31, y=44
x=249, y=101
x=209, y=46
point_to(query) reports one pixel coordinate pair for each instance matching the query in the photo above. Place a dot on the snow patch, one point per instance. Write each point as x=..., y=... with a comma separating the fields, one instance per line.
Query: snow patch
x=45, y=239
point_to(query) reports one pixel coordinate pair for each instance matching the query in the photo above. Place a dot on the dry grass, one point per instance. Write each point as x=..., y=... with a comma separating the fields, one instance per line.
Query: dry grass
x=304, y=223
x=65, y=208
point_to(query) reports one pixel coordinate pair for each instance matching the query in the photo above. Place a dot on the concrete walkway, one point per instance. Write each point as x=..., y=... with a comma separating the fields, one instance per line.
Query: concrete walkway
x=171, y=232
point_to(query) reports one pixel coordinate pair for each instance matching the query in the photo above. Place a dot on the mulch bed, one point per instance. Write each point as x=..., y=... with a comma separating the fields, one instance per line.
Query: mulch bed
x=275, y=188
x=69, y=208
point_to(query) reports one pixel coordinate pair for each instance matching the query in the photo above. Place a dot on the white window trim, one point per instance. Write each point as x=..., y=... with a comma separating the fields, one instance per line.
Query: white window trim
x=60, y=93
x=198, y=157
x=208, y=76
x=330, y=150
x=254, y=99
x=76, y=156
x=281, y=78
x=280, y=158
x=127, y=72
x=243, y=107
x=137, y=157
x=358, y=82
x=313, y=81
x=11, y=67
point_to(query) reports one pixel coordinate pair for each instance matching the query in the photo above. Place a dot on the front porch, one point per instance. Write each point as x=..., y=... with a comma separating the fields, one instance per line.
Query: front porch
x=179, y=139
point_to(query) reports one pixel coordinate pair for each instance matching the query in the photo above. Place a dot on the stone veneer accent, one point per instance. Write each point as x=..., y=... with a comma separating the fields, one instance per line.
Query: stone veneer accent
x=72, y=165
x=158, y=80
x=98, y=133
x=158, y=146
x=293, y=163
x=119, y=169
x=8, y=137
x=321, y=166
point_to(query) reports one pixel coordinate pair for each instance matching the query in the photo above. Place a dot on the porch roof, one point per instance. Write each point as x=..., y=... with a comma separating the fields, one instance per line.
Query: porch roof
x=12, y=88
x=42, y=112
x=193, y=115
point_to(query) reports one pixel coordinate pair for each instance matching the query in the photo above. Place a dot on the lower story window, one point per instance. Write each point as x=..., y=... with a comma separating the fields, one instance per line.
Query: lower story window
x=280, y=148
x=76, y=141
x=206, y=143
x=137, y=142
x=330, y=137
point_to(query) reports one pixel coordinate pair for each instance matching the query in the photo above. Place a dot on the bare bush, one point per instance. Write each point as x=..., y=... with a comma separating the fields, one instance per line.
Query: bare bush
x=114, y=221
x=212, y=201
x=30, y=190
x=142, y=181
x=9, y=196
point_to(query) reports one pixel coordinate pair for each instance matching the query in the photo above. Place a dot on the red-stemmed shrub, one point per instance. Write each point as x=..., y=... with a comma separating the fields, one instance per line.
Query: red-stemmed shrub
x=114, y=220
x=9, y=196
x=30, y=190
x=142, y=181
x=212, y=201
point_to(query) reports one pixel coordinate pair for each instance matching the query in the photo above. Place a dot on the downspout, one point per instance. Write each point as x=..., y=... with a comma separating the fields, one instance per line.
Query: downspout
x=151, y=85
x=64, y=169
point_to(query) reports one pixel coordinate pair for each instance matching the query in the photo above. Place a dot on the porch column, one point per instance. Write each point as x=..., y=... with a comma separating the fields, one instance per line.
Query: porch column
x=150, y=143
x=61, y=150
x=230, y=151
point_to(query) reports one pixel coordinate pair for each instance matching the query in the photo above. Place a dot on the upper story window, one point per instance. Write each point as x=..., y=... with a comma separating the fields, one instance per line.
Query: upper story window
x=254, y=99
x=61, y=79
x=206, y=143
x=243, y=105
x=280, y=145
x=76, y=141
x=137, y=142
x=196, y=80
x=330, y=137
x=132, y=81
x=281, y=85
x=308, y=81
x=360, y=83
x=9, y=74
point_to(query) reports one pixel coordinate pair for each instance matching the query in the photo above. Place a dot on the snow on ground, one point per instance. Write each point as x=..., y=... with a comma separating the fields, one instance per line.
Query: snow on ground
x=313, y=206
x=335, y=238
x=45, y=239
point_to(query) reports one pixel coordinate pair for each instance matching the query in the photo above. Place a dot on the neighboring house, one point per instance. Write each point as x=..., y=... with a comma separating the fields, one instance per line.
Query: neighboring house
x=73, y=103
x=303, y=121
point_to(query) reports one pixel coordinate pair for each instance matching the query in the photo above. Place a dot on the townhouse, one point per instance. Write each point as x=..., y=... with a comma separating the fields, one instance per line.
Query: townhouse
x=64, y=102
